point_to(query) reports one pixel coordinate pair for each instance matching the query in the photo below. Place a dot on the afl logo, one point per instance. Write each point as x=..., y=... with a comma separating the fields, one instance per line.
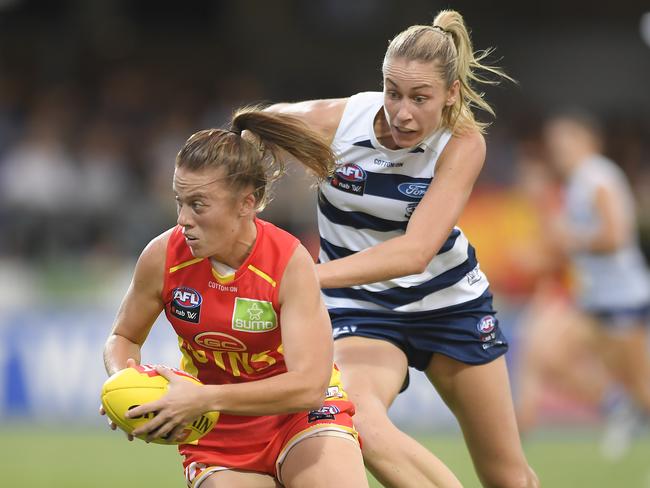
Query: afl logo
x=351, y=172
x=487, y=324
x=414, y=190
x=218, y=341
x=186, y=297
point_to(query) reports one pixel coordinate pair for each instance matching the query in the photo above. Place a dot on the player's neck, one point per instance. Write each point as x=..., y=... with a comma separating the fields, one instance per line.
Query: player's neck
x=382, y=131
x=240, y=248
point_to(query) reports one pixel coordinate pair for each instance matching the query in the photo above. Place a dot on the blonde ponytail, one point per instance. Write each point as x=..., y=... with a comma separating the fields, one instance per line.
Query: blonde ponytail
x=447, y=41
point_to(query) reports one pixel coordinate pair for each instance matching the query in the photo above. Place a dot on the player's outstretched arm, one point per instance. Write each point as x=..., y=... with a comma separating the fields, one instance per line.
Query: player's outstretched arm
x=323, y=116
x=140, y=307
x=428, y=228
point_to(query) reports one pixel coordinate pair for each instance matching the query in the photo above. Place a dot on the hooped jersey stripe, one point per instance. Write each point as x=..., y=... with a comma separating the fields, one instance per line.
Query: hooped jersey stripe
x=370, y=199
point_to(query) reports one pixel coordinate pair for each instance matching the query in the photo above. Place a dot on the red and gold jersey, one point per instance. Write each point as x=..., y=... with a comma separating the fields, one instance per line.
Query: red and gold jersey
x=229, y=331
x=228, y=326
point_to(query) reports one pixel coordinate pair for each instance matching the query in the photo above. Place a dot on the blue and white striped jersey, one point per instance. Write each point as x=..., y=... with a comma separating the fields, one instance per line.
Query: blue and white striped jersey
x=370, y=200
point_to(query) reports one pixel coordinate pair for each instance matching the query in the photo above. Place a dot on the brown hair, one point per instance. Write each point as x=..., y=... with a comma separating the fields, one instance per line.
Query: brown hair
x=256, y=159
x=448, y=42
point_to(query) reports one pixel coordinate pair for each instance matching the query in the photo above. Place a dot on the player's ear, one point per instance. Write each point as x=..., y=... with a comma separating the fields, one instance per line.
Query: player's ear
x=248, y=205
x=452, y=93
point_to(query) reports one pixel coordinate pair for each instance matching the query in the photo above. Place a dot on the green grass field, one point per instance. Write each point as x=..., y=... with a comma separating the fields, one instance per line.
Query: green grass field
x=74, y=458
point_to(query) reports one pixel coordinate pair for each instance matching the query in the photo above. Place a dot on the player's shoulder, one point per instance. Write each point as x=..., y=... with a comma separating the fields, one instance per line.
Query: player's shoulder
x=153, y=256
x=468, y=144
x=471, y=139
x=299, y=265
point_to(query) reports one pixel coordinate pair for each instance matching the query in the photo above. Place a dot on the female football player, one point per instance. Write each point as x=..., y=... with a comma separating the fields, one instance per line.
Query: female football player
x=244, y=299
x=401, y=282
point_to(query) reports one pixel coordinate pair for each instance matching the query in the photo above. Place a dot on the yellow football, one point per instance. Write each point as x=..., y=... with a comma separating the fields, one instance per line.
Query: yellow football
x=136, y=386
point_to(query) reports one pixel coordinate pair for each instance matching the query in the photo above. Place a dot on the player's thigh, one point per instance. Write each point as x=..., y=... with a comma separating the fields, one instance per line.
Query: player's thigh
x=324, y=461
x=481, y=399
x=372, y=370
x=625, y=351
x=239, y=479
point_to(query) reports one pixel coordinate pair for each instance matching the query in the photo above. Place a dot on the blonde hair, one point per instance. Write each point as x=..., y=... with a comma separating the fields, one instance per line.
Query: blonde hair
x=448, y=42
x=257, y=161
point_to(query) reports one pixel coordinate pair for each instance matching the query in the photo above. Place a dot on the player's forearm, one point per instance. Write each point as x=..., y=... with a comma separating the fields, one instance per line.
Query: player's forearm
x=117, y=350
x=284, y=393
x=388, y=260
x=595, y=243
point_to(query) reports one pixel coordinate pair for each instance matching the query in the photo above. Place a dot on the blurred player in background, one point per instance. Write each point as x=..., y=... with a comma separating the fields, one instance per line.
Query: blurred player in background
x=244, y=299
x=598, y=234
x=401, y=281
x=556, y=343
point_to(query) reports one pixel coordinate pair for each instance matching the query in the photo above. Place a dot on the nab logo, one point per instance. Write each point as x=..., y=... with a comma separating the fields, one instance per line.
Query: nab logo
x=413, y=190
x=351, y=172
x=350, y=178
x=186, y=304
x=187, y=297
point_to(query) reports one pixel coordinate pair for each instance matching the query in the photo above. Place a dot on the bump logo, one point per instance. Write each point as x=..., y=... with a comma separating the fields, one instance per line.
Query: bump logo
x=253, y=316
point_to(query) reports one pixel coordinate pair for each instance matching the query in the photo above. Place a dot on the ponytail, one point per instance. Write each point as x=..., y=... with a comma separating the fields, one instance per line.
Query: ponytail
x=280, y=131
x=256, y=159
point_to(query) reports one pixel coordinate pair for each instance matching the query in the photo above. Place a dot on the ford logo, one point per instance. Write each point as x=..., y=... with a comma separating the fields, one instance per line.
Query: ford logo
x=415, y=190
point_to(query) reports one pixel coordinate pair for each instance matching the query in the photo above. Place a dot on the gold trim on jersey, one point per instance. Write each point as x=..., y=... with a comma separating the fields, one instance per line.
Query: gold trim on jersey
x=187, y=363
x=262, y=275
x=223, y=279
x=173, y=269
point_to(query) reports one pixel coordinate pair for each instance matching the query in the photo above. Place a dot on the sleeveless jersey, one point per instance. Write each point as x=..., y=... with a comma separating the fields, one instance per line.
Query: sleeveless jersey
x=370, y=199
x=228, y=327
x=229, y=332
x=610, y=280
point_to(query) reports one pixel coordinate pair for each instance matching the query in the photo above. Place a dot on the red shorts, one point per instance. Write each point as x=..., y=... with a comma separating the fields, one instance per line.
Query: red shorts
x=260, y=444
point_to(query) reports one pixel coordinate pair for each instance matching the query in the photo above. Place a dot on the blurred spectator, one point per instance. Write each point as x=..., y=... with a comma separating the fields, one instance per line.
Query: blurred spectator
x=38, y=183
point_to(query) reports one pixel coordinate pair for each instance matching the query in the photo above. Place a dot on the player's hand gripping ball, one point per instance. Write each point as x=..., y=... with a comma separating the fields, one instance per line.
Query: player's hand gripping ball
x=132, y=387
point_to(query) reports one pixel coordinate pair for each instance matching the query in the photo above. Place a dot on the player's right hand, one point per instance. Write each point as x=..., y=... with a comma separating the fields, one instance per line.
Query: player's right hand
x=111, y=424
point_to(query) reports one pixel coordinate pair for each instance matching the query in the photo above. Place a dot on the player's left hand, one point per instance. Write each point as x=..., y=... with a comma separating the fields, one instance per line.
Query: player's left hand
x=182, y=404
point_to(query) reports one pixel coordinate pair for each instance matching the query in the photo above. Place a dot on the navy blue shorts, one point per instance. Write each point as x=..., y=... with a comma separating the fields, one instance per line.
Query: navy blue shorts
x=621, y=318
x=468, y=332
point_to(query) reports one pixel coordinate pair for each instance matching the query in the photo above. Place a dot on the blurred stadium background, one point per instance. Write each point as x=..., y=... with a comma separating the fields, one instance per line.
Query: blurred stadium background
x=96, y=97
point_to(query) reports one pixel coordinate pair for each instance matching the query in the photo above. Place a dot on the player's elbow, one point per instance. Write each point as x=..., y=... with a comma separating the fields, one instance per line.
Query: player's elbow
x=312, y=394
x=315, y=400
x=309, y=399
x=609, y=243
x=415, y=255
x=419, y=264
x=417, y=259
